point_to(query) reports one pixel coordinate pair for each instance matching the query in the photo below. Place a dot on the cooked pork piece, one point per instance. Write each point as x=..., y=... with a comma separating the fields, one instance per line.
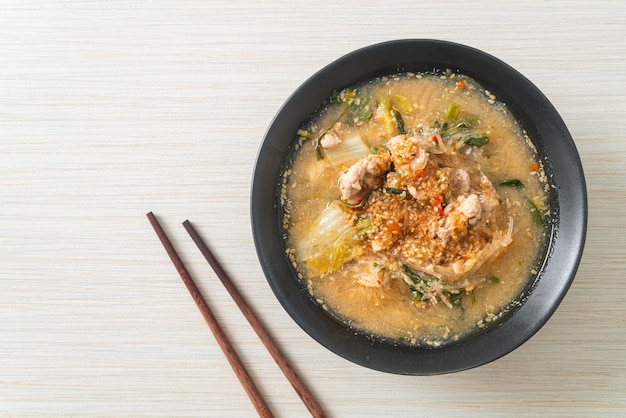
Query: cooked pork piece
x=363, y=176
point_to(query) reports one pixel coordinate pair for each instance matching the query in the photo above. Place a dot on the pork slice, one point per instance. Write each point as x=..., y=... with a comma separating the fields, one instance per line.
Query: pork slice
x=395, y=141
x=458, y=215
x=364, y=175
x=406, y=150
x=459, y=183
x=419, y=161
x=470, y=207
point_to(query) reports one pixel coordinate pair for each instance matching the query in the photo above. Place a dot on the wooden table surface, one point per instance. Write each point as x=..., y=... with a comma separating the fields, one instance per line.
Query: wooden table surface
x=112, y=109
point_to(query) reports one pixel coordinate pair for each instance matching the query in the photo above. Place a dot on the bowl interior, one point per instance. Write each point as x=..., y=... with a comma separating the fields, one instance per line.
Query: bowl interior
x=568, y=206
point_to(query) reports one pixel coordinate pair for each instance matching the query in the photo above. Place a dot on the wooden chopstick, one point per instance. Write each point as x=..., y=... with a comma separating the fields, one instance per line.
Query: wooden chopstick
x=242, y=374
x=301, y=389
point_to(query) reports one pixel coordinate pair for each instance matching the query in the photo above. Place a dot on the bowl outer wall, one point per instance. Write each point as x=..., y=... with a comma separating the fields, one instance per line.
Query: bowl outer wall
x=544, y=126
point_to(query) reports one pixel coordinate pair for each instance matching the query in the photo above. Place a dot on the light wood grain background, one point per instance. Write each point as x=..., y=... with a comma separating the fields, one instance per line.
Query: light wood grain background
x=111, y=109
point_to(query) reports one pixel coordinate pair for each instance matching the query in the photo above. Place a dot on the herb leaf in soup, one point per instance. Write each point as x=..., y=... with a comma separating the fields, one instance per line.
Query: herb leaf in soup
x=476, y=140
x=399, y=122
x=511, y=183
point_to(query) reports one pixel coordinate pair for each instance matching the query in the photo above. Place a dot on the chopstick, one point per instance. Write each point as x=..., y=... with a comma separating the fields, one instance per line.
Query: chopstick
x=231, y=355
x=301, y=389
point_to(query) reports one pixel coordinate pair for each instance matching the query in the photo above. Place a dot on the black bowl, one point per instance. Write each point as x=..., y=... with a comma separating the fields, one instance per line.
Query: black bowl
x=568, y=207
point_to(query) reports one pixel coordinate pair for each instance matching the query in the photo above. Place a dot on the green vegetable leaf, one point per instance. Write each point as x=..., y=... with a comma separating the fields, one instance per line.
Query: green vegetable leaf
x=415, y=276
x=361, y=203
x=393, y=190
x=401, y=103
x=416, y=294
x=344, y=96
x=358, y=108
x=536, y=214
x=472, y=297
x=359, y=112
x=456, y=298
x=476, y=140
x=303, y=133
x=318, y=150
x=363, y=224
x=399, y=122
x=535, y=210
x=453, y=111
x=451, y=130
x=512, y=183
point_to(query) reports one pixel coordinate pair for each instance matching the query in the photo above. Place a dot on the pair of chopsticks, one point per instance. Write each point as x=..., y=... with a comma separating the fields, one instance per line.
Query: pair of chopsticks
x=242, y=374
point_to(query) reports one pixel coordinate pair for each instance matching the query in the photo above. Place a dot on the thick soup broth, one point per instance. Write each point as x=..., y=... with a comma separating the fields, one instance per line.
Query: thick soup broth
x=414, y=208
